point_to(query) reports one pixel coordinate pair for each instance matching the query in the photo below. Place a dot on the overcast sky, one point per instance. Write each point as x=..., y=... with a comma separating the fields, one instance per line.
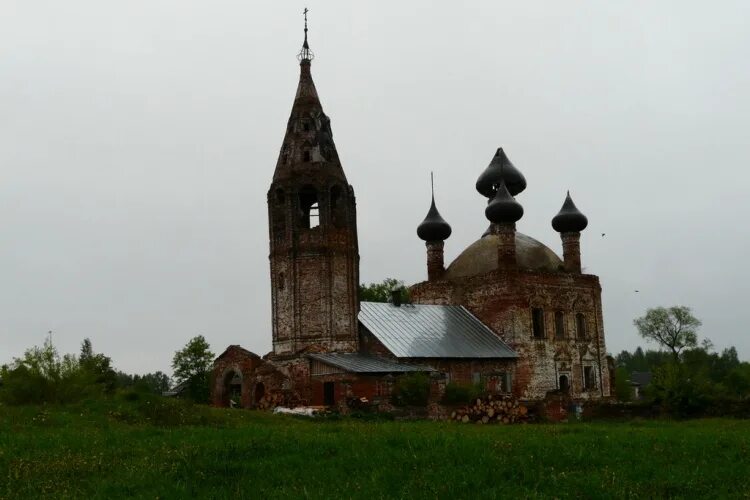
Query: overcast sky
x=138, y=140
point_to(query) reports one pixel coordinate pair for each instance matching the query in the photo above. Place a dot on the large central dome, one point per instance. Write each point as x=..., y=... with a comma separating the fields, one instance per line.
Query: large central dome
x=481, y=257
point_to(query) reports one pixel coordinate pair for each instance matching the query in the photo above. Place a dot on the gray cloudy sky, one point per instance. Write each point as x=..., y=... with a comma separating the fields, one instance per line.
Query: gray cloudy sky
x=138, y=139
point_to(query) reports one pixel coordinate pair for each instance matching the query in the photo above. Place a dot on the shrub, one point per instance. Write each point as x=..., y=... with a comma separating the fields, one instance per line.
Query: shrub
x=459, y=394
x=677, y=392
x=623, y=391
x=412, y=390
x=43, y=376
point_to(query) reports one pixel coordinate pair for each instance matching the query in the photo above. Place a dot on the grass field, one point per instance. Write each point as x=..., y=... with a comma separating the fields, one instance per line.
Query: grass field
x=150, y=448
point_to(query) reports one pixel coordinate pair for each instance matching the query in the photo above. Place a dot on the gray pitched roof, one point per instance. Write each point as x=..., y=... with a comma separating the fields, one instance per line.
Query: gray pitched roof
x=361, y=363
x=640, y=378
x=431, y=331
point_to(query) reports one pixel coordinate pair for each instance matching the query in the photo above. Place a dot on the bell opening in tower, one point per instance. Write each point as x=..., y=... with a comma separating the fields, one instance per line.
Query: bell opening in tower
x=308, y=200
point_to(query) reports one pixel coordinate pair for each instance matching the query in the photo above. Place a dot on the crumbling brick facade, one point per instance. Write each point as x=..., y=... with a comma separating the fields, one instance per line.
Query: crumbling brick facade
x=505, y=300
x=314, y=258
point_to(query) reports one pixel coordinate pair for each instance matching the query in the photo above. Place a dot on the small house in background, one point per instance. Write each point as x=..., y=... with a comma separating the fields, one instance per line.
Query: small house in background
x=638, y=382
x=178, y=390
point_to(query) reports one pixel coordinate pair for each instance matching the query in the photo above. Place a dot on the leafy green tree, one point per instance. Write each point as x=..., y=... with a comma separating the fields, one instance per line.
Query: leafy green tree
x=673, y=328
x=381, y=292
x=623, y=391
x=42, y=375
x=192, y=364
x=97, y=366
x=156, y=383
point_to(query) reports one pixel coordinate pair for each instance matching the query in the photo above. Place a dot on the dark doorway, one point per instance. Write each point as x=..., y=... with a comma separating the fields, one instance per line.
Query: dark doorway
x=232, y=390
x=260, y=391
x=564, y=384
x=328, y=393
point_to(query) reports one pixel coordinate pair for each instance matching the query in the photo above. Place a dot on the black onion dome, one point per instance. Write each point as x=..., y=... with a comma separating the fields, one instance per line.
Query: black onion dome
x=503, y=208
x=434, y=227
x=569, y=219
x=500, y=166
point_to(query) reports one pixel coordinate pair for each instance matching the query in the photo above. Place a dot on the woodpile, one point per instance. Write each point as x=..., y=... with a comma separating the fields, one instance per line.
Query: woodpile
x=271, y=401
x=492, y=410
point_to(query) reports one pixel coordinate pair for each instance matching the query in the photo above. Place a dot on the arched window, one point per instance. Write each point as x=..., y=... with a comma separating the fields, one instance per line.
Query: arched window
x=559, y=325
x=308, y=201
x=232, y=393
x=564, y=383
x=306, y=156
x=580, y=326
x=589, y=378
x=537, y=322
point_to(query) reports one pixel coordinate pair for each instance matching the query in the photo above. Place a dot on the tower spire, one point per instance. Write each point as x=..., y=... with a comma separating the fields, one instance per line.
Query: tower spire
x=305, y=54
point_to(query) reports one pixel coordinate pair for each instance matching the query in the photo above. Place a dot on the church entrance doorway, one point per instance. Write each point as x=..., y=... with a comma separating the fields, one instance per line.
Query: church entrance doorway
x=564, y=383
x=328, y=393
x=260, y=391
x=232, y=389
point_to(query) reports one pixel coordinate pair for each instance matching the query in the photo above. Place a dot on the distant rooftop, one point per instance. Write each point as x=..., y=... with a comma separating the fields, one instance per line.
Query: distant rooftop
x=431, y=331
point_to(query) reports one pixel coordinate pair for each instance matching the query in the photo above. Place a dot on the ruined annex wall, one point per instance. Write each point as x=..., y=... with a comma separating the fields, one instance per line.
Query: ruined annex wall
x=504, y=300
x=290, y=378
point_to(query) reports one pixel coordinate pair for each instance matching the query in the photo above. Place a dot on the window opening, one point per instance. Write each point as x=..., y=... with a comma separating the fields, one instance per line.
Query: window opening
x=306, y=156
x=306, y=126
x=537, y=319
x=308, y=199
x=564, y=384
x=505, y=381
x=581, y=326
x=559, y=325
x=328, y=393
x=589, y=380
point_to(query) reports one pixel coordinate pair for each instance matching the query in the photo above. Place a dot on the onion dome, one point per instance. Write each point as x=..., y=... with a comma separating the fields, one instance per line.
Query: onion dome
x=500, y=167
x=569, y=219
x=503, y=208
x=433, y=227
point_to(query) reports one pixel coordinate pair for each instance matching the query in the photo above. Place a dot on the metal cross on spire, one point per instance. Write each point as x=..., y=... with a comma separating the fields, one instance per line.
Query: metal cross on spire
x=305, y=54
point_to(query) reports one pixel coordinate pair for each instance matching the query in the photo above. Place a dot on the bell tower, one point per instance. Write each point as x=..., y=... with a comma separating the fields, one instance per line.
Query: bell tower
x=313, y=233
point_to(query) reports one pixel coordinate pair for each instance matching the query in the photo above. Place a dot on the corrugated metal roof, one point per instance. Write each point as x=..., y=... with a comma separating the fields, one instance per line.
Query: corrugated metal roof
x=431, y=331
x=361, y=363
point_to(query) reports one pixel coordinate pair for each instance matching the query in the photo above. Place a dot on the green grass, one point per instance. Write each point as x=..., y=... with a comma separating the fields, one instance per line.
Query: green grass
x=149, y=449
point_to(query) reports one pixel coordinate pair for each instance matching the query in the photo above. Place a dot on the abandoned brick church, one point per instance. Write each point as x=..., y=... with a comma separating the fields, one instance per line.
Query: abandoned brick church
x=507, y=312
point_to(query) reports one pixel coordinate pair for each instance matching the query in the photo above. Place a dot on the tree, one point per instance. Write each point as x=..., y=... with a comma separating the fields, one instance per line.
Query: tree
x=98, y=366
x=192, y=364
x=623, y=390
x=673, y=328
x=381, y=292
x=43, y=376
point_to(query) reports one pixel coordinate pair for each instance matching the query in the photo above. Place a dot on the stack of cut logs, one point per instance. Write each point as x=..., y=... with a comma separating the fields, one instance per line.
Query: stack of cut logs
x=271, y=401
x=492, y=410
